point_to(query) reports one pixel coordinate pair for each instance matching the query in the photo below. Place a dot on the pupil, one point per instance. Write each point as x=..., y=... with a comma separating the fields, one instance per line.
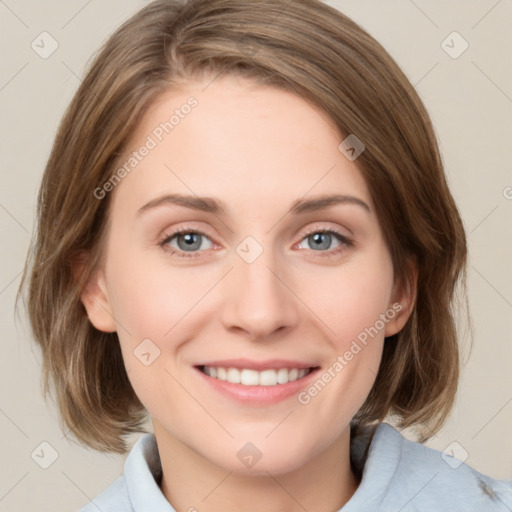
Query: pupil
x=317, y=237
x=191, y=241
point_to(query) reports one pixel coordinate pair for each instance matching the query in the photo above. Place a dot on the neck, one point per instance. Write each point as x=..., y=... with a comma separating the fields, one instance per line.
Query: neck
x=192, y=483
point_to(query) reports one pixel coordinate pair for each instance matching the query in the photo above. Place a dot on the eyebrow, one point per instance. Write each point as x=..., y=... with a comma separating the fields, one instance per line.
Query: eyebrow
x=211, y=205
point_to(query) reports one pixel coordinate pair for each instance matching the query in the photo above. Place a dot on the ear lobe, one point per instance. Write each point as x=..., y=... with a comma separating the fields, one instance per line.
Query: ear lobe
x=95, y=298
x=403, y=300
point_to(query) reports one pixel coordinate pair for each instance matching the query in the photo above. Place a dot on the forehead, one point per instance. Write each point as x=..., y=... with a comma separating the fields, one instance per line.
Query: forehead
x=233, y=138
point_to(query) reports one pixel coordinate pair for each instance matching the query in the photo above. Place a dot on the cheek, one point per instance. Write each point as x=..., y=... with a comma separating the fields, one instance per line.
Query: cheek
x=158, y=309
x=150, y=300
x=351, y=299
x=354, y=306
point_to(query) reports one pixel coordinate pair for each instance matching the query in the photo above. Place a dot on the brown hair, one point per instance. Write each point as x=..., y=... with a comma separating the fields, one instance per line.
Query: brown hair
x=304, y=47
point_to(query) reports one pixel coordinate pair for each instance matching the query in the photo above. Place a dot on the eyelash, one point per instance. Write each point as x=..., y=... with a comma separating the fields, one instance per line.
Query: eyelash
x=344, y=242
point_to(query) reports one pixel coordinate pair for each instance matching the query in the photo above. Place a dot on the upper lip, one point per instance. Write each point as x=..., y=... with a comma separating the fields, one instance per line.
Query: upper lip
x=269, y=364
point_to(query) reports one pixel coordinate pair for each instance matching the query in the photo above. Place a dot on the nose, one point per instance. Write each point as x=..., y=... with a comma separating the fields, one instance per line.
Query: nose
x=260, y=301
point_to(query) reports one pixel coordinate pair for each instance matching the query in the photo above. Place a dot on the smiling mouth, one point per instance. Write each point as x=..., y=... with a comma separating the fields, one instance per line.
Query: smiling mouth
x=250, y=377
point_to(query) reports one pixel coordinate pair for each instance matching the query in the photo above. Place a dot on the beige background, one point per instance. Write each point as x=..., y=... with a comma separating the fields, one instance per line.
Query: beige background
x=470, y=100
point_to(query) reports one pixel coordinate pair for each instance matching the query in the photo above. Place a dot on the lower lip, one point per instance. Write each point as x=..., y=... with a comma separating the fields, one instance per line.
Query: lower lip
x=259, y=395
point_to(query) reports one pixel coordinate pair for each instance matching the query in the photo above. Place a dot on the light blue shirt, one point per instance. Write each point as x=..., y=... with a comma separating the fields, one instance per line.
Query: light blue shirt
x=398, y=475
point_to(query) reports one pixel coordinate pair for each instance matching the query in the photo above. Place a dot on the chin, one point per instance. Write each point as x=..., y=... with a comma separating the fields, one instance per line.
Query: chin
x=260, y=459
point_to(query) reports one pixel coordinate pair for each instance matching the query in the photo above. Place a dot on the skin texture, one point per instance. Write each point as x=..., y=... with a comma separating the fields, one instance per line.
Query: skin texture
x=257, y=149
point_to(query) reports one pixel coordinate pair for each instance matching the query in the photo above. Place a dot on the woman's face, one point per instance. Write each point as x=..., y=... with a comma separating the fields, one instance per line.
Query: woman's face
x=268, y=283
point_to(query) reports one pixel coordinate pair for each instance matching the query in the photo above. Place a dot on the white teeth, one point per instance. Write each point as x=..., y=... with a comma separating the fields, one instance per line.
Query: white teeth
x=268, y=378
x=233, y=375
x=249, y=377
x=282, y=376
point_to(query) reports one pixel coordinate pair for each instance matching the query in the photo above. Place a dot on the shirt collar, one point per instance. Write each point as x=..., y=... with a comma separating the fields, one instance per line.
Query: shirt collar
x=143, y=473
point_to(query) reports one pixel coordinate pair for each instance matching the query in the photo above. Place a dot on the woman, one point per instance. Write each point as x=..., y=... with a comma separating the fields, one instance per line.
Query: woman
x=245, y=231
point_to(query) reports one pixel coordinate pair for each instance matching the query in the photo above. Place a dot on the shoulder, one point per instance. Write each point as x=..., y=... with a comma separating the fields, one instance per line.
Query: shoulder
x=404, y=475
x=137, y=490
x=435, y=478
x=114, y=497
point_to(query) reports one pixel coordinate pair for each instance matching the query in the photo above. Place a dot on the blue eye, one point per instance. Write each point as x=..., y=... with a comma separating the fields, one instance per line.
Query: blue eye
x=186, y=239
x=188, y=243
x=320, y=242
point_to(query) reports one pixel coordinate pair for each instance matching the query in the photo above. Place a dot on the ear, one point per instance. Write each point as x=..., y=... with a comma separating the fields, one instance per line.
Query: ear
x=403, y=299
x=95, y=297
